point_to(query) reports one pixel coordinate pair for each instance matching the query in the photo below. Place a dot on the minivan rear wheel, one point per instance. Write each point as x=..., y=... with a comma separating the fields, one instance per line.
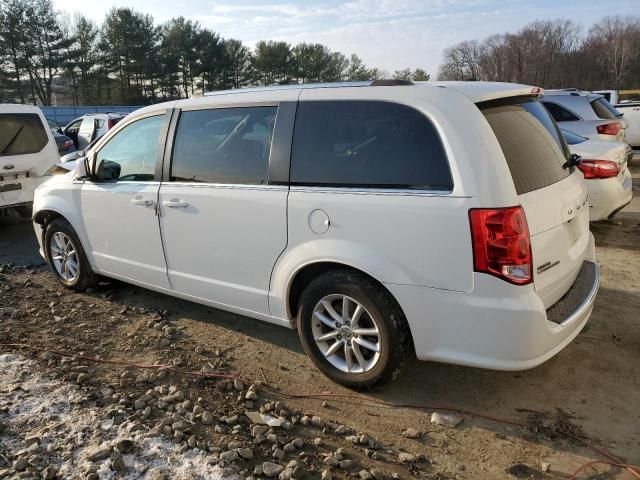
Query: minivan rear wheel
x=66, y=256
x=352, y=329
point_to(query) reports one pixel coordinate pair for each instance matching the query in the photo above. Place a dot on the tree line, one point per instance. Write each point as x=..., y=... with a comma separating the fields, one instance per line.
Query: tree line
x=553, y=54
x=128, y=59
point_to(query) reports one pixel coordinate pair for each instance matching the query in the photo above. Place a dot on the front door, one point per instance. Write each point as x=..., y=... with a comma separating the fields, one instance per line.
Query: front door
x=223, y=226
x=119, y=209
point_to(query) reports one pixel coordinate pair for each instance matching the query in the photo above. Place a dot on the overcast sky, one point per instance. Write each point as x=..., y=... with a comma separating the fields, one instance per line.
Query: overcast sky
x=390, y=34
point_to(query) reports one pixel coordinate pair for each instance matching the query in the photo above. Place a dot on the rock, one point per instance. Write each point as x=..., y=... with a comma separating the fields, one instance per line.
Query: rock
x=365, y=475
x=180, y=426
x=347, y=464
x=100, y=453
x=49, y=473
x=545, y=466
x=157, y=474
x=278, y=453
x=317, y=422
x=229, y=456
x=245, y=453
x=117, y=462
x=411, y=433
x=232, y=420
x=377, y=474
x=259, y=430
x=298, y=442
x=289, y=448
x=207, y=418
x=450, y=420
x=271, y=469
x=139, y=405
x=20, y=464
x=406, y=457
x=251, y=395
x=125, y=445
x=326, y=474
x=317, y=442
x=238, y=385
x=83, y=378
x=286, y=474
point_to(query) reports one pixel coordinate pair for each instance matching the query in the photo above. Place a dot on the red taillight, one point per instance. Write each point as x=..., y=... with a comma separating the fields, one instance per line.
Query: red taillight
x=501, y=243
x=67, y=144
x=609, y=128
x=594, y=169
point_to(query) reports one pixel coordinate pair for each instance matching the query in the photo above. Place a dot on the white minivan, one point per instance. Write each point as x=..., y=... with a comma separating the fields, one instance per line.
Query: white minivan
x=27, y=151
x=381, y=219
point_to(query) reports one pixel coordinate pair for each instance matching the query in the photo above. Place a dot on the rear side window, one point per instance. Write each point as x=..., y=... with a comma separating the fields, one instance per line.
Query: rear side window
x=226, y=145
x=531, y=142
x=603, y=109
x=559, y=113
x=367, y=144
x=572, y=138
x=21, y=134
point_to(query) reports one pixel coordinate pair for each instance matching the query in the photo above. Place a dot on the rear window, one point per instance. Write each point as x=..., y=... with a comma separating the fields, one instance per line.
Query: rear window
x=603, y=109
x=573, y=139
x=21, y=134
x=531, y=142
x=367, y=144
x=559, y=113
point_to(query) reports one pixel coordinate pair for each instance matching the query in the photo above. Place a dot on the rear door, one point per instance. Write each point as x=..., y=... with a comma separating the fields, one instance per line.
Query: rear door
x=554, y=198
x=223, y=220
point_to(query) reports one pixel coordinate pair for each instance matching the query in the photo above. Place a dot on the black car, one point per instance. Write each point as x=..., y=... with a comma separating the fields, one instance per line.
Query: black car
x=64, y=143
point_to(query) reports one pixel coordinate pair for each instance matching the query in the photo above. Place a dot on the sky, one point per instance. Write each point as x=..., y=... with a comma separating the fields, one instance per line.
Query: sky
x=389, y=34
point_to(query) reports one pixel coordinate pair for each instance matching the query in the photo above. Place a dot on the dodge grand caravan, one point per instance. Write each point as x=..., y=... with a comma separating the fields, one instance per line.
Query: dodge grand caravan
x=380, y=219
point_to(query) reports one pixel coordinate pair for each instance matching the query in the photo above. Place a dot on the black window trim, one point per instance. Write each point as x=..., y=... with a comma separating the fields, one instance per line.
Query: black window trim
x=162, y=139
x=361, y=188
x=279, y=153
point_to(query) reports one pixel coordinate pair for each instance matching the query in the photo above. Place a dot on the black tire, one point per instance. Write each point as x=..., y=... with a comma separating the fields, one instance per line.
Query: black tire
x=85, y=277
x=394, y=338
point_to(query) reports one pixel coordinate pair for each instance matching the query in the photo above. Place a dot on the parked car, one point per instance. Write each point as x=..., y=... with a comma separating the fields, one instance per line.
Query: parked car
x=78, y=153
x=89, y=127
x=64, y=143
x=586, y=114
x=631, y=111
x=27, y=151
x=443, y=219
x=604, y=166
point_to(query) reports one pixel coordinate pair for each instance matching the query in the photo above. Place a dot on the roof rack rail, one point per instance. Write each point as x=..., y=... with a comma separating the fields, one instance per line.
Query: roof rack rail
x=390, y=82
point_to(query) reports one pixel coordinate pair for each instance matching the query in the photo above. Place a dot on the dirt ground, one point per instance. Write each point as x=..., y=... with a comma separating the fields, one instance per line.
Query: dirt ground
x=591, y=389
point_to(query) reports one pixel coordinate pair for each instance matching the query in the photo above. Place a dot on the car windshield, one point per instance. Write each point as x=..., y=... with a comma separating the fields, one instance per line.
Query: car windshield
x=572, y=138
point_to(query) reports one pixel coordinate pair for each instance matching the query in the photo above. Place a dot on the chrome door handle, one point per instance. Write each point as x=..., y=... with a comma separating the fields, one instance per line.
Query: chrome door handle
x=142, y=202
x=175, y=204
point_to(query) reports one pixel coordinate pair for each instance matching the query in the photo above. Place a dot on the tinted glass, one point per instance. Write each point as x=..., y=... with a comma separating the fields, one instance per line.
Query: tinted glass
x=604, y=109
x=226, y=145
x=131, y=153
x=559, y=113
x=531, y=142
x=367, y=144
x=21, y=134
x=573, y=139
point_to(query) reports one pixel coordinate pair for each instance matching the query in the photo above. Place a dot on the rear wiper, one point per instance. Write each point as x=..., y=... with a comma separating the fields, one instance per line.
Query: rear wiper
x=13, y=139
x=574, y=161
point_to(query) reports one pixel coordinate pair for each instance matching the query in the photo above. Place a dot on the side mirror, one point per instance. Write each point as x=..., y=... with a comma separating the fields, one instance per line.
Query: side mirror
x=81, y=169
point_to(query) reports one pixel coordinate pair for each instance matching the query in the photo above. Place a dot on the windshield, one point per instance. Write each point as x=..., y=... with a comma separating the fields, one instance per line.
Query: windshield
x=572, y=138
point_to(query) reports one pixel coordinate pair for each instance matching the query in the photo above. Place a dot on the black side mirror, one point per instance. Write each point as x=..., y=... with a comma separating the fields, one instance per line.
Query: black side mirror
x=108, y=170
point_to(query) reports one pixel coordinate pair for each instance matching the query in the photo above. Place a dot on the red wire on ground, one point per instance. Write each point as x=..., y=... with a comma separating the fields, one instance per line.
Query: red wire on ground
x=613, y=461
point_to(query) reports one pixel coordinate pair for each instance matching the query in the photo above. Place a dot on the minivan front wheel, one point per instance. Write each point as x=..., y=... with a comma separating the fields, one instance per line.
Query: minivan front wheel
x=352, y=329
x=66, y=256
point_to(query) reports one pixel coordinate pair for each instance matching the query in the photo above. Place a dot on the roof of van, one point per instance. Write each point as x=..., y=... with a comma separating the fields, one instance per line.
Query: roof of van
x=475, y=91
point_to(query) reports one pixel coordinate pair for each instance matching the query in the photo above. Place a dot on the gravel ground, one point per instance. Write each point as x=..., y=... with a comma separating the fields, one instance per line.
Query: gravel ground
x=66, y=417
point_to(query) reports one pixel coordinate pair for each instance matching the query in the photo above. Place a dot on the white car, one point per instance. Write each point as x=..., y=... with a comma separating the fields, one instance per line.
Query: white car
x=630, y=109
x=27, y=150
x=380, y=219
x=604, y=166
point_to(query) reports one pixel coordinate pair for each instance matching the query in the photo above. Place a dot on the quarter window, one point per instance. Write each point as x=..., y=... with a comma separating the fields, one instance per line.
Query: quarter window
x=226, y=145
x=560, y=114
x=21, y=134
x=131, y=153
x=367, y=144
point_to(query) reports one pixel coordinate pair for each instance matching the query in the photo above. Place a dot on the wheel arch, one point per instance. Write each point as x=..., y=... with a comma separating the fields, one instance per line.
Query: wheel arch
x=45, y=215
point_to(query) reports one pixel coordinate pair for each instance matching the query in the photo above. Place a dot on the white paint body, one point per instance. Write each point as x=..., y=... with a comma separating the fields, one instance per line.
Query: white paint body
x=607, y=195
x=239, y=247
x=25, y=170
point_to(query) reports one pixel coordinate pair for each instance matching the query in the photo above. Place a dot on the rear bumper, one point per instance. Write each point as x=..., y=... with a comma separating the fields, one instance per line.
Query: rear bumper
x=607, y=196
x=498, y=326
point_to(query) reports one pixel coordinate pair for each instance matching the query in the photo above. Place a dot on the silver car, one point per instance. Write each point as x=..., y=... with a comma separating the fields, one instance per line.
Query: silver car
x=90, y=127
x=585, y=113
